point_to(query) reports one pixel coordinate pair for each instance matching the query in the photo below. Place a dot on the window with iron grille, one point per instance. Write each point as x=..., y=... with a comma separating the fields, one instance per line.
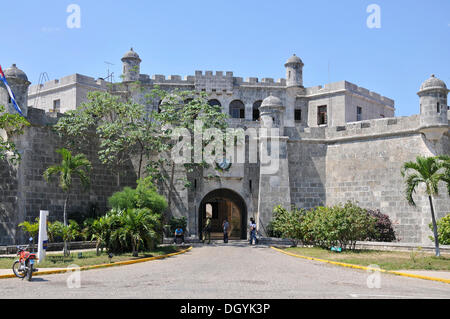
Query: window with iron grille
x=359, y=113
x=56, y=105
x=322, y=115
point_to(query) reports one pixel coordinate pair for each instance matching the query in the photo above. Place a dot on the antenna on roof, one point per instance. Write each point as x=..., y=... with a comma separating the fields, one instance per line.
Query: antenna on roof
x=110, y=76
x=43, y=77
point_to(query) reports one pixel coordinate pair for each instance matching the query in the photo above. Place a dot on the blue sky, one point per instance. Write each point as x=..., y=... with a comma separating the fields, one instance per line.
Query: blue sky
x=251, y=38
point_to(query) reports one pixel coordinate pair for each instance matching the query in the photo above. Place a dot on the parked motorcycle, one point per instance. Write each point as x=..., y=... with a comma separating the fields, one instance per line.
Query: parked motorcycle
x=25, y=265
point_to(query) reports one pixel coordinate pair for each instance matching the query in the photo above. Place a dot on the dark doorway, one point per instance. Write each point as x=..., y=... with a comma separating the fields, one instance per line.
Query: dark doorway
x=222, y=203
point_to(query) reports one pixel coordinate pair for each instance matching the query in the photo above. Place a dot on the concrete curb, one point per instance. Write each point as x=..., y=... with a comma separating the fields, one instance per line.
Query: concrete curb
x=447, y=281
x=119, y=263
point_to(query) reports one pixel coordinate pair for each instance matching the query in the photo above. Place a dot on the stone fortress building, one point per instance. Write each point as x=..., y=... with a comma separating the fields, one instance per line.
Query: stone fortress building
x=338, y=142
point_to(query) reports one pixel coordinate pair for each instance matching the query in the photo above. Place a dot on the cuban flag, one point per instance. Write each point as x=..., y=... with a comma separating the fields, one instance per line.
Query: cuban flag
x=11, y=93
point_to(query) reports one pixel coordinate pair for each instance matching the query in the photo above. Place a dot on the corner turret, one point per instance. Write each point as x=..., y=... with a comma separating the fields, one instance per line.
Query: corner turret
x=294, y=71
x=433, y=108
x=18, y=81
x=131, y=66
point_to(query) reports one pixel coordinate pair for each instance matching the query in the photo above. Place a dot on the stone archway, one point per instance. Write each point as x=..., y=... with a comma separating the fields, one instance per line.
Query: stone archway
x=222, y=203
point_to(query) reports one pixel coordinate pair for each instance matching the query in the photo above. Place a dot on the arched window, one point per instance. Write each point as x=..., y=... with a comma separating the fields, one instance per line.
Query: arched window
x=256, y=106
x=214, y=102
x=237, y=109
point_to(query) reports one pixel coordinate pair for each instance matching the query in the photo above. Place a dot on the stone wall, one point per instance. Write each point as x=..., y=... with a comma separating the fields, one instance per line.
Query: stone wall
x=307, y=174
x=9, y=202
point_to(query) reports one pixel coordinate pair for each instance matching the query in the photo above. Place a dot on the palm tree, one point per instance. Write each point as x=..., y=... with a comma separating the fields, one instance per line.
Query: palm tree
x=100, y=230
x=139, y=226
x=427, y=171
x=71, y=166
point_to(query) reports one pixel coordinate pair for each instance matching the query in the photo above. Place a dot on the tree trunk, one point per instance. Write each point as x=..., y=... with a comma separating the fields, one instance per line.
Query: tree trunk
x=141, y=158
x=436, y=238
x=135, y=248
x=97, y=247
x=172, y=174
x=65, y=222
x=140, y=167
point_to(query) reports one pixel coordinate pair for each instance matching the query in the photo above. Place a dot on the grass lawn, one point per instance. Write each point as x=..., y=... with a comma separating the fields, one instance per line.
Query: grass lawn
x=388, y=260
x=90, y=258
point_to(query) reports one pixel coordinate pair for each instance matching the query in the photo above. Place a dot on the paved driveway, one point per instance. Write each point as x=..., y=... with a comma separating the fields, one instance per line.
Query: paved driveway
x=225, y=271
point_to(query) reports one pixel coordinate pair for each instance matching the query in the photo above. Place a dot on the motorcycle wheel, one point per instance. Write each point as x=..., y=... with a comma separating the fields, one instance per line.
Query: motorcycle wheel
x=15, y=268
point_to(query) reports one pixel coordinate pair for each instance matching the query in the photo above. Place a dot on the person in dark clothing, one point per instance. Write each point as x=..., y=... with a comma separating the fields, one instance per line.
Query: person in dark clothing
x=179, y=233
x=253, y=231
x=226, y=229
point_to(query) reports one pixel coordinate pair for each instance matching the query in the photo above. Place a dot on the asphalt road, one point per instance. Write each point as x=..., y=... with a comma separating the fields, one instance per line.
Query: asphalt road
x=224, y=271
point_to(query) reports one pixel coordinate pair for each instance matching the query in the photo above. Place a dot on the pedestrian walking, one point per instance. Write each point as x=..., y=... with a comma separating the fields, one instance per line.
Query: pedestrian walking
x=207, y=230
x=226, y=228
x=253, y=231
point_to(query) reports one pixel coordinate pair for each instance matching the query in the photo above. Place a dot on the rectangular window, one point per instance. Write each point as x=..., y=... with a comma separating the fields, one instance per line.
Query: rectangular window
x=438, y=108
x=9, y=99
x=56, y=105
x=298, y=116
x=358, y=113
x=322, y=115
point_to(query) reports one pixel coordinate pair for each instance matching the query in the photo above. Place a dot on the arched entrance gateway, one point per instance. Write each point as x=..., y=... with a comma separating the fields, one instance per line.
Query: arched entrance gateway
x=222, y=203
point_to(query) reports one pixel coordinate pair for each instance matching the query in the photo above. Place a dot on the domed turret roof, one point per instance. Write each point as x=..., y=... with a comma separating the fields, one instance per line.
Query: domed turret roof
x=433, y=83
x=131, y=55
x=294, y=60
x=271, y=101
x=15, y=72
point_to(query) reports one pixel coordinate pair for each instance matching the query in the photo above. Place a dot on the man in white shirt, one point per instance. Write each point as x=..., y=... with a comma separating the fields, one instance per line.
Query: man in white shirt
x=253, y=231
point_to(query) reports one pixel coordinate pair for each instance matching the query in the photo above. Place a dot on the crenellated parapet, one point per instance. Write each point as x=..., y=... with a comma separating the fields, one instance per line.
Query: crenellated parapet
x=208, y=81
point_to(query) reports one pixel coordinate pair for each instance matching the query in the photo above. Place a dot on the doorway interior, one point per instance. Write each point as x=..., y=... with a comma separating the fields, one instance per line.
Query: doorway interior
x=222, y=203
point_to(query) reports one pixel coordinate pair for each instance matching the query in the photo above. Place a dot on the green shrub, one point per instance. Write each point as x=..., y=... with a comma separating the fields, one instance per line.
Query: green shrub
x=339, y=225
x=147, y=197
x=127, y=230
x=54, y=231
x=271, y=232
x=124, y=199
x=443, y=229
x=144, y=196
x=288, y=223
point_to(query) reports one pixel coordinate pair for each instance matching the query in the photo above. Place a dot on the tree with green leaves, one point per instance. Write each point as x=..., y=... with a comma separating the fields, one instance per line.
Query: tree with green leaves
x=70, y=167
x=427, y=171
x=10, y=125
x=121, y=129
